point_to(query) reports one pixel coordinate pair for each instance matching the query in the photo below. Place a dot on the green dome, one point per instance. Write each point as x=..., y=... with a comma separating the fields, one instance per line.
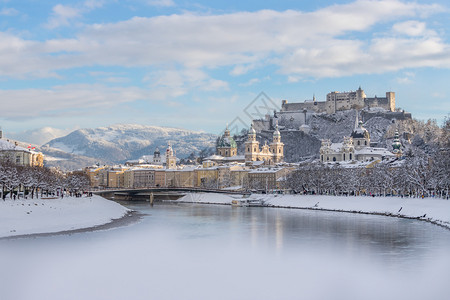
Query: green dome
x=396, y=143
x=227, y=142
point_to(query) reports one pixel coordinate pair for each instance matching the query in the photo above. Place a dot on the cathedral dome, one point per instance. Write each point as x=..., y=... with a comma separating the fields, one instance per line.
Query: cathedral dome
x=360, y=132
x=226, y=141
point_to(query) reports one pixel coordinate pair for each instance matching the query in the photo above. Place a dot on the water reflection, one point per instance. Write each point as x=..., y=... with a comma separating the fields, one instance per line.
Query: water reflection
x=191, y=251
x=392, y=239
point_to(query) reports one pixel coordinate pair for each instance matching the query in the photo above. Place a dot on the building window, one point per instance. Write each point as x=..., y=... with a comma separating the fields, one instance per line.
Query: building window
x=279, y=150
x=344, y=156
x=350, y=156
x=248, y=149
x=359, y=143
x=334, y=158
x=365, y=143
x=321, y=157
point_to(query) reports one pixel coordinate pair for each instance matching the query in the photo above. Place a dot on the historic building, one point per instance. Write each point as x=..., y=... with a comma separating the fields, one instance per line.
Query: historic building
x=396, y=145
x=19, y=155
x=157, y=157
x=357, y=100
x=171, y=159
x=270, y=154
x=296, y=115
x=356, y=147
x=226, y=146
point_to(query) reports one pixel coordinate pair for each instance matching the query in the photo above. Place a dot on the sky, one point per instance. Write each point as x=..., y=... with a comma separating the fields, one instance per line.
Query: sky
x=201, y=64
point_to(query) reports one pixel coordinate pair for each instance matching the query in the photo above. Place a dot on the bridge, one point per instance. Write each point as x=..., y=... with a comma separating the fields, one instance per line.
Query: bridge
x=158, y=193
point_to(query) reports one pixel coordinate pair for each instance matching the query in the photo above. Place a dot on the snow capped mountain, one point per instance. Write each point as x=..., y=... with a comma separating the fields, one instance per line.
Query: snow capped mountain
x=121, y=142
x=38, y=136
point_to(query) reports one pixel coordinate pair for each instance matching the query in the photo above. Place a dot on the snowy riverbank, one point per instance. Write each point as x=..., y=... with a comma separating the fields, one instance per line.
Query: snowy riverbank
x=433, y=210
x=35, y=216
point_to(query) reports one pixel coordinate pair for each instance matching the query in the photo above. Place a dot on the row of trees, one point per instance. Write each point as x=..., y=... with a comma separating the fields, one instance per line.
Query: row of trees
x=423, y=171
x=418, y=175
x=15, y=180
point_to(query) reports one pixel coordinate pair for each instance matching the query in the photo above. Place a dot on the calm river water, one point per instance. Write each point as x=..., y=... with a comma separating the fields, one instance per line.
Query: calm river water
x=192, y=251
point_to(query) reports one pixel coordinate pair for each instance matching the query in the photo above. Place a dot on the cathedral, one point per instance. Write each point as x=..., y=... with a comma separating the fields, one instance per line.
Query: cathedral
x=357, y=148
x=226, y=145
x=270, y=154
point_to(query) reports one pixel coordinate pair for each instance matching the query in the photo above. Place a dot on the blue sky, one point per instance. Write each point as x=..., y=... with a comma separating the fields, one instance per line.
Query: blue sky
x=198, y=64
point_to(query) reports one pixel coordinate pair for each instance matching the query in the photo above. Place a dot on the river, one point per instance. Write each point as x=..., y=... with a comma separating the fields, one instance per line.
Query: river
x=195, y=251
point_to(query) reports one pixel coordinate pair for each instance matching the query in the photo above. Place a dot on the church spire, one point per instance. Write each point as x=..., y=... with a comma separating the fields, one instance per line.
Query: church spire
x=356, y=120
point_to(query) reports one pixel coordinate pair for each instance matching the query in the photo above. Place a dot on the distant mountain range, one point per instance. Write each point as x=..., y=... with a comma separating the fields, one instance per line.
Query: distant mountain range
x=38, y=136
x=119, y=143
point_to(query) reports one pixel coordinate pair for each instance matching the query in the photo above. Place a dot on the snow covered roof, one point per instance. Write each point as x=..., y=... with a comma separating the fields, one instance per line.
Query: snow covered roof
x=6, y=145
x=265, y=170
x=216, y=157
x=336, y=146
x=374, y=151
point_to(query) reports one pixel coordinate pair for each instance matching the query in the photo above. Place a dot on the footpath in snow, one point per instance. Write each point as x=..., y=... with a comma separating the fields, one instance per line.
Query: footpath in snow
x=433, y=210
x=35, y=216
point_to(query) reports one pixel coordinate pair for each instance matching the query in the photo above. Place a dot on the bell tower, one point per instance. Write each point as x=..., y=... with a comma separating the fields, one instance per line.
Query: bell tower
x=277, y=147
x=171, y=159
x=251, y=146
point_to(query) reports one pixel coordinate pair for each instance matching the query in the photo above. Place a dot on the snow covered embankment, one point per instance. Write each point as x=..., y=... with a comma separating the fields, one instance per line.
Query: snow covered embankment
x=33, y=216
x=433, y=210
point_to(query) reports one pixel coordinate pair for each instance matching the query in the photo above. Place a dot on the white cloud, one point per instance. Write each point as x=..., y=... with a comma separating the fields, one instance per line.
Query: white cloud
x=412, y=28
x=9, y=12
x=251, y=82
x=407, y=78
x=64, y=15
x=300, y=44
x=52, y=102
x=174, y=83
x=164, y=3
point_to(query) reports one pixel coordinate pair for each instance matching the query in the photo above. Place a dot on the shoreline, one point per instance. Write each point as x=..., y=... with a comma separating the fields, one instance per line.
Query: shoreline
x=130, y=217
x=369, y=206
x=380, y=212
x=46, y=217
x=400, y=216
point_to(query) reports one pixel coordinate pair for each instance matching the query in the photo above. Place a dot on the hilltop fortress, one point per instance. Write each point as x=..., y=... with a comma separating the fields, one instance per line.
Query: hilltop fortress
x=342, y=101
x=295, y=116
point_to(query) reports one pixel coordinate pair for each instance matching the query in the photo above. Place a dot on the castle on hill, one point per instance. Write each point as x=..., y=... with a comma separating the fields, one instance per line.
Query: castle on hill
x=337, y=101
x=295, y=116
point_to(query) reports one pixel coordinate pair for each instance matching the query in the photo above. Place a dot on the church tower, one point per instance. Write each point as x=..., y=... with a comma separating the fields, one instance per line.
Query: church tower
x=157, y=157
x=171, y=159
x=397, y=145
x=276, y=147
x=226, y=145
x=251, y=146
x=360, y=135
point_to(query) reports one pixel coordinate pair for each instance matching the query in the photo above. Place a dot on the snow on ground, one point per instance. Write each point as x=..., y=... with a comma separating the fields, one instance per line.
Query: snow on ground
x=434, y=210
x=29, y=216
x=208, y=198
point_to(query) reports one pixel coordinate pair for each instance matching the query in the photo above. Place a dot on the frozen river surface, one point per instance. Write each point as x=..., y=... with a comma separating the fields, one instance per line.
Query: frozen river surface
x=192, y=251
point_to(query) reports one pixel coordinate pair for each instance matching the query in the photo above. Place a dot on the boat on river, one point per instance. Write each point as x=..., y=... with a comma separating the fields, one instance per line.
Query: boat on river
x=247, y=202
